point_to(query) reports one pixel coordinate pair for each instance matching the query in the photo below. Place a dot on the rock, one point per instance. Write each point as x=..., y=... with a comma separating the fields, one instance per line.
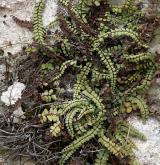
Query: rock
x=18, y=115
x=147, y=152
x=14, y=92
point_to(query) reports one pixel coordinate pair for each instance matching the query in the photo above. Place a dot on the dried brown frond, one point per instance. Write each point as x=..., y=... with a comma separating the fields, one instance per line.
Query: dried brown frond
x=23, y=23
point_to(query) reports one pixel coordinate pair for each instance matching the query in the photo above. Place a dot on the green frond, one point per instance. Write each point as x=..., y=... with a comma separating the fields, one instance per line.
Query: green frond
x=97, y=75
x=110, y=67
x=141, y=105
x=138, y=57
x=92, y=95
x=52, y=24
x=64, y=2
x=69, y=150
x=70, y=119
x=55, y=129
x=112, y=146
x=129, y=130
x=125, y=141
x=102, y=157
x=63, y=67
x=125, y=32
x=72, y=28
x=38, y=29
x=145, y=82
x=132, y=78
x=72, y=104
x=86, y=111
x=81, y=78
x=134, y=161
x=128, y=6
x=80, y=128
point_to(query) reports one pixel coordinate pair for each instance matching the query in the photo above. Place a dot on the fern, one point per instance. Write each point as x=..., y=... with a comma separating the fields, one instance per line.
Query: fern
x=102, y=157
x=55, y=129
x=111, y=146
x=94, y=97
x=86, y=111
x=141, y=105
x=130, y=130
x=125, y=141
x=128, y=33
x=69, y=150
x=97, y=75
x=80, y=129
x=128, y=5
x=38, y=29
x=138, y=57
x=72, y=104
x=69, y=121
x=64, y=67
x=110, y=66
x=145, y=82
x=81, y=78
x=110, y=74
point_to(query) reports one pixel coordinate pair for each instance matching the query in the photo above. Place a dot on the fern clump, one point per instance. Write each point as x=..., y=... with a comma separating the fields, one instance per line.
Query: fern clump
x=108, y=67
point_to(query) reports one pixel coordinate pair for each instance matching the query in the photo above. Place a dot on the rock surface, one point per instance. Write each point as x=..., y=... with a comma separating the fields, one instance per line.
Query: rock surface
x=14, y=37
x=148, y=152
x=13, y=93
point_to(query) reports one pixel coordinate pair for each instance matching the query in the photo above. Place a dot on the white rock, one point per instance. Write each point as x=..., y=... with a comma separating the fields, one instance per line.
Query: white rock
x=148, y=152
x=50, y=11
x=18, y=115
x=13, y=93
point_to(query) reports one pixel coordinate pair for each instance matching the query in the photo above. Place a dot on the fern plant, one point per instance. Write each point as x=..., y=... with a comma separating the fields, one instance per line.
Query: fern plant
x=98, y=45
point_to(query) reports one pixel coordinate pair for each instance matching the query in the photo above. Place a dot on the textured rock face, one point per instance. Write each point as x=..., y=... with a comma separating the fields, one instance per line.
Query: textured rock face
x=14, y=37
x=14, y=92
x=148, y=152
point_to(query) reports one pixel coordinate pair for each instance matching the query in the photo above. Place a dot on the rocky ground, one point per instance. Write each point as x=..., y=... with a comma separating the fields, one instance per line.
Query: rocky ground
x=13, y=38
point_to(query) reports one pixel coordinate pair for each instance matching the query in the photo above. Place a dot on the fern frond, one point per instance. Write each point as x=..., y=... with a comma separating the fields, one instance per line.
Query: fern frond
x=110, y=66
x=52, y=24
x=69, y=150
x=38, y=29
x=125, y=141
x=127, y=5
x=111, y=146
x=70, y=119
x=92, y=95
x=138, y=57
x=72, y=104
x=63, y=67
x=130, y=130
x=82, y=9
x=55, y=129
x=121, y=32
x=81, y=78
x=134, y=161
x=97, y=75
x=80, y=128
x=86, y=111
x=141, y=104
x=146, y=81
x=64, y=2
x=102, y=157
